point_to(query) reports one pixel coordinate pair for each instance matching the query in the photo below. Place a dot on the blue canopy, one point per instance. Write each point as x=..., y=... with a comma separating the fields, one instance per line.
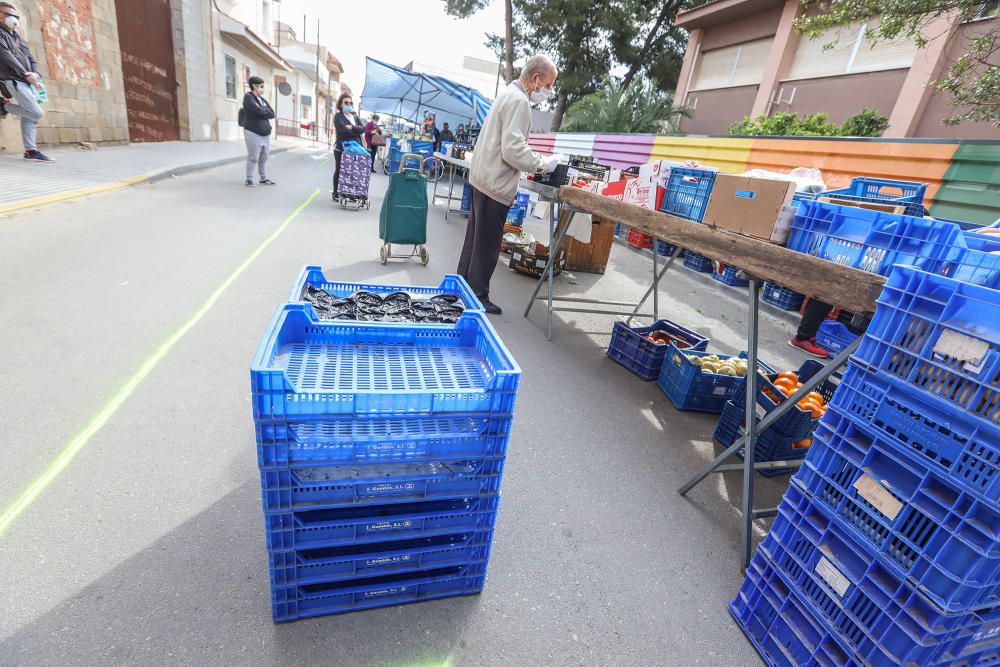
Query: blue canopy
x=405, y=94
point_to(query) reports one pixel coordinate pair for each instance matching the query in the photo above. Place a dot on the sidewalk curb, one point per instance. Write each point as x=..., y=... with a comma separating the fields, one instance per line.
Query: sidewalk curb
x=151, y=177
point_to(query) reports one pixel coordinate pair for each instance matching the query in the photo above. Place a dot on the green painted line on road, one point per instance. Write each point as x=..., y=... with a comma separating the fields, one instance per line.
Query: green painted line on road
x=324, y=162
x=80, y=440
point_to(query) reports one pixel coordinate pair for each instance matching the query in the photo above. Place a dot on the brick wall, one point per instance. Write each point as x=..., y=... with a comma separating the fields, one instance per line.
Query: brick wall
x=76, y=45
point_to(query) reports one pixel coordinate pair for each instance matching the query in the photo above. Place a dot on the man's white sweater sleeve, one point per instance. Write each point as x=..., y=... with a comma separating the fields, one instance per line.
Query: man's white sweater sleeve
x=514, y=142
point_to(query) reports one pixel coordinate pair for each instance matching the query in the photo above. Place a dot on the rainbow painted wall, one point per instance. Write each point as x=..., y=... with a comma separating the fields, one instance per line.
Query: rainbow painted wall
x=963, y=176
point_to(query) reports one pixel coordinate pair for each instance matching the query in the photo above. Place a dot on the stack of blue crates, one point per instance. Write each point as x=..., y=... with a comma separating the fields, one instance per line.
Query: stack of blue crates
x=886, y=547
x=381, y=448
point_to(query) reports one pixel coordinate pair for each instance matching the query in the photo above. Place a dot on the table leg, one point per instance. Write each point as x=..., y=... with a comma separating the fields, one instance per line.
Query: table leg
x=451, y=189
x=656, y=283
x=746, y=521
x=656, y=292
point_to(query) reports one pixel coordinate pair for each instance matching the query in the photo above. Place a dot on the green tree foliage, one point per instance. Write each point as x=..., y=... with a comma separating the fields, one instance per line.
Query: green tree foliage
x=867, y=123
x=640, y=107
x=973, y=81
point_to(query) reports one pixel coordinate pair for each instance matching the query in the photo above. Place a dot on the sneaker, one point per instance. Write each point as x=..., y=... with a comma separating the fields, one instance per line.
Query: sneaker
x=37, y=156
x=492, y=308
x=809, y=347
x=248, y=183
x=267, y=181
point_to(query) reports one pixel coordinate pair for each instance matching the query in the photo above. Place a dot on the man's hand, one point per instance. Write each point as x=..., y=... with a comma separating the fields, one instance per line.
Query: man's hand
x=550, y=165
x=32, y=78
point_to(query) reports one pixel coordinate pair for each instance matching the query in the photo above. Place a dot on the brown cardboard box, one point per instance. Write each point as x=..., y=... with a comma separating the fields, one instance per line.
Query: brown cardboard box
x=591, y=257
x=750, y=206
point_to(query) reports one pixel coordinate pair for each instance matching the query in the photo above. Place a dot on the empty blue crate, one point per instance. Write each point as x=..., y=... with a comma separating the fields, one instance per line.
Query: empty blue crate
x=450, y=284
x=979, y=264
x=834, y=336
x=324, y=564
x=874, y=615
x=873, y=241
x=664, y=249
x=687, y=193
x=944, y=438
x=796, y=423
x=883, y=191
x=345, y=526
x=302, y=601
x=729, y=275
x=698, y=263
x=924, y=528
x=941, y=336
x=380, y=440
x=630, y=347
x=781, y=297
x=307, y=367
x=383, y=483
x=690, y=388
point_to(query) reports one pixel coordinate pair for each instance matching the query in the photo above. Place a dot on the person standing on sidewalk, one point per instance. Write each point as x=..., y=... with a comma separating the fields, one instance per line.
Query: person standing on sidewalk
x=502, y=153
x=19, y=76
x=372, y=130
x=805, y=338
x=257, y=115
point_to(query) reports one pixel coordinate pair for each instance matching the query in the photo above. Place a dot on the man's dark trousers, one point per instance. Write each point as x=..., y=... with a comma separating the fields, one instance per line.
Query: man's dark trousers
x=482, y=243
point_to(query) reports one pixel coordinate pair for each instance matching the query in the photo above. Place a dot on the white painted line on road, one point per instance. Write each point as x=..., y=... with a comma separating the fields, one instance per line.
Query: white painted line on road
x=97, y=422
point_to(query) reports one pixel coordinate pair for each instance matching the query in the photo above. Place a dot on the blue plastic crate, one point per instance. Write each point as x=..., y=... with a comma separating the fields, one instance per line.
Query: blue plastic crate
x=687, y=193
x=729, y=275
x=631, y=349
x=466, y=204
x=978, y=264
x=450, y=284
x=786, y=630
x=947, y=440
x=883, y=191
x=796, y=423
x=941, y=336
x=875, y=616
x=873, y=241
x=620, y=230
x=698, y=263
x=307, y=367
x=515, y=215
x=336, y=486
x=663, y=248
x=376, y=440
x=316, y=566
x=834, y=337
x=781, y=297
x=690, y=388
x=310, y=529
x=924, y=528
x=294, y=602
x=771, y=446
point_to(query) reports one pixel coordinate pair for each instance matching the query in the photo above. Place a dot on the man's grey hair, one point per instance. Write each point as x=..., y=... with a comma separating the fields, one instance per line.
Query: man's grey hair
x=7, y=5
x=541, y=65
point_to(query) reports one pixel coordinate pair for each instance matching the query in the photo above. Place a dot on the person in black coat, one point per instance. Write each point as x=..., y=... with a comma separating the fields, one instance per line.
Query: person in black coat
x=349, y=128
x=256, y=116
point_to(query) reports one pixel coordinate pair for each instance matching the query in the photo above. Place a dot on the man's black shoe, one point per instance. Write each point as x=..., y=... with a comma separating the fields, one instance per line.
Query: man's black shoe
x=492, y=308
x=37, y=156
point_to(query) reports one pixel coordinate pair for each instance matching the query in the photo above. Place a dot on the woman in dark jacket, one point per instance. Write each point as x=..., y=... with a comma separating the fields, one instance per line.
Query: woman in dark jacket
x=257, y=115
x=349, y=128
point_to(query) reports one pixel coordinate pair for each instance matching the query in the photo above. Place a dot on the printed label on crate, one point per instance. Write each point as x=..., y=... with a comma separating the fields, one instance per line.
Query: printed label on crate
x=760, y=410
x=386, y=592
x=878, y=496
x=387, y=488
x=392, y=447
x=832, y=576
x=987, y=633
x=720, y=391
x=386, y=526
x=964, y=348
x=388, y=560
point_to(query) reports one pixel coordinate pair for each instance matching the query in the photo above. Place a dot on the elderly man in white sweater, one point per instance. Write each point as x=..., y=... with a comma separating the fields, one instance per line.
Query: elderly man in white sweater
x=501, y=154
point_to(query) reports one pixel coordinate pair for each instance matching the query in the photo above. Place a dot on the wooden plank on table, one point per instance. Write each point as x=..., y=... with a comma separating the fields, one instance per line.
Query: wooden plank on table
x=851, y=289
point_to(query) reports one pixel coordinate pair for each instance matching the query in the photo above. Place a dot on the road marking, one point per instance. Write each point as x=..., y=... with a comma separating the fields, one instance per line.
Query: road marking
x=97, y=422
x=324, y=162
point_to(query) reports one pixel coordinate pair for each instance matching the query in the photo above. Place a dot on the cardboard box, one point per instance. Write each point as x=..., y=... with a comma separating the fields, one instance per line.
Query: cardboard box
x=591, y=257
x=524, y=262
x=644, y=191
x=750, y=206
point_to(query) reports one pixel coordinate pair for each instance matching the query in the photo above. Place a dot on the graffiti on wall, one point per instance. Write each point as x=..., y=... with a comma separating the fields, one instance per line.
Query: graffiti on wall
x=68, y=33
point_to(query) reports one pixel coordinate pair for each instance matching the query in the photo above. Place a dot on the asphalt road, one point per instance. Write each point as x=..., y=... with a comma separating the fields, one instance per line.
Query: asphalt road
x=147, y=546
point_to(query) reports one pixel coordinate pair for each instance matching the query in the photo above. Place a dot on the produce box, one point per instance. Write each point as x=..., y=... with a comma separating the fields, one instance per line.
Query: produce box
x=751, y=206
x=639, y=240
x=800, y=421
x=530, y=264
x=689, y=378
x=642, y=349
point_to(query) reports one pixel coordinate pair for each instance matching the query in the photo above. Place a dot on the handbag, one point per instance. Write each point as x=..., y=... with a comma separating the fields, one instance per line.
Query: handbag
x=378, y=140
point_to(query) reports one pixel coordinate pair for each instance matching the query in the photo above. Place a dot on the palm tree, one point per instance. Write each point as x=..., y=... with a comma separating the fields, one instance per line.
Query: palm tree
x=639, y=108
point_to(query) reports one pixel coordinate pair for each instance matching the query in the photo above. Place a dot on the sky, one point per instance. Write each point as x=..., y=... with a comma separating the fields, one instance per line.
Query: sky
x=395, y=32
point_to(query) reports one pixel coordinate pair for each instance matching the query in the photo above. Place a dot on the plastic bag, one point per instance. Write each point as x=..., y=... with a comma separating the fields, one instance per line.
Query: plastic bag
x=806, y=179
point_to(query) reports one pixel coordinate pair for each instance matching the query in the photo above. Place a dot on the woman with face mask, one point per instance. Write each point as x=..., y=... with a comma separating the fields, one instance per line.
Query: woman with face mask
x=349, y=128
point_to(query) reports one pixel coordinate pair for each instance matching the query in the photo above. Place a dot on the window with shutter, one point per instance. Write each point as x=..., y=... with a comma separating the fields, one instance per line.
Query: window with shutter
x=730, y=66
x=851, y=52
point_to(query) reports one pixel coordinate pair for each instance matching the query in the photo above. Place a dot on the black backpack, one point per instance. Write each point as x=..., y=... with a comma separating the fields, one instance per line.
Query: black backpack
x=241, y=117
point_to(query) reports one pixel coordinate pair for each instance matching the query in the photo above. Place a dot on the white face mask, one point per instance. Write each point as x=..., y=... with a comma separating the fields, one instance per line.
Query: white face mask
x=12, y=22
x=540, y=95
